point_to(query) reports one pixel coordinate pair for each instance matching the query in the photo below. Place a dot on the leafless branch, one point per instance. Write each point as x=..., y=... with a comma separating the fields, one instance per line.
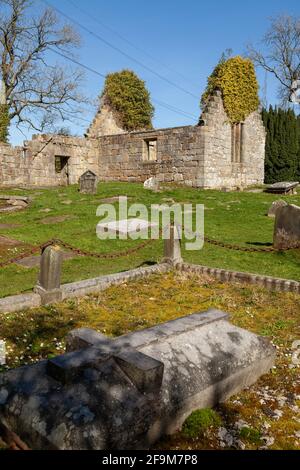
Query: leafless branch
x=281, y=55
x=37, y=91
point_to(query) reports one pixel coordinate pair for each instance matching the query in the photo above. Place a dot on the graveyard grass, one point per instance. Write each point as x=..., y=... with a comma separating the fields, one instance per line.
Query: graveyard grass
x=234, y=217
x=39, y=333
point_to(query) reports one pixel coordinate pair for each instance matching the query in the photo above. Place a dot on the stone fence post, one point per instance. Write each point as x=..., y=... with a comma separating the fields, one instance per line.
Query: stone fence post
x=48, y=285
x=172, y=246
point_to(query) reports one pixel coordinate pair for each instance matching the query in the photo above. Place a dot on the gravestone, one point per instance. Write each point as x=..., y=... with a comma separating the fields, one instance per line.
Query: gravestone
x=151, y=184
x=48, y=286
x=88, y=182
x=287, y=227
x=275, y=206
x=172, y=247
x=125, y=393
x=283, y=187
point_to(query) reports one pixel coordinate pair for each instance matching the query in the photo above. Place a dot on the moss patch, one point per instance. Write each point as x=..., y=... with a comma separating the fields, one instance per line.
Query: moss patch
x=199, y=421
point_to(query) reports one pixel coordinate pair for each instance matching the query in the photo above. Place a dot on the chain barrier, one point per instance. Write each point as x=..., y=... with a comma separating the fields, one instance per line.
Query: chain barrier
x=269, y=249
x=129, y=251
x=231, y=246
x=78, y=251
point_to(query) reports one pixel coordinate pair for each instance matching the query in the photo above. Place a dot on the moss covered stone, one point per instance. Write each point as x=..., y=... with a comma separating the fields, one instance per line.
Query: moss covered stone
x=199, y=421
x=236, y=79
x=129, y=98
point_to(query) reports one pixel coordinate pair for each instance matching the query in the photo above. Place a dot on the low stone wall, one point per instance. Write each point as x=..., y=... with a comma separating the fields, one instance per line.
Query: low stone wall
x=271, y=283
x=20, y=302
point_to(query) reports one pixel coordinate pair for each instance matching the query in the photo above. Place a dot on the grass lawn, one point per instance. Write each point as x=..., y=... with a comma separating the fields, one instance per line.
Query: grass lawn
x=267, y=414
x=234, y=217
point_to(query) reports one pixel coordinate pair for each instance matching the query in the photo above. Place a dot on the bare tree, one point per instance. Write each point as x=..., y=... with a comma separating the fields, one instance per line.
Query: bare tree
x=36, y=91
x=282, y=53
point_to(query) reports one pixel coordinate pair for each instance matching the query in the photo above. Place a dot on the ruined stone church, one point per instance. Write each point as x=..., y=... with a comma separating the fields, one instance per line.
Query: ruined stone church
x=212, y=154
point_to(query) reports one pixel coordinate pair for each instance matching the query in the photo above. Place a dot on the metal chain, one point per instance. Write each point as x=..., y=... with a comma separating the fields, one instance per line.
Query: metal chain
x=90, y=254
x=229, y=246
x=129, y=251
x=78, y=251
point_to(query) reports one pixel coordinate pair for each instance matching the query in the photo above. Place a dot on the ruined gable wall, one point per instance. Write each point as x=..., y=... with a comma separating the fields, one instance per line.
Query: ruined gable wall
x=104, y=123
x=219, y=169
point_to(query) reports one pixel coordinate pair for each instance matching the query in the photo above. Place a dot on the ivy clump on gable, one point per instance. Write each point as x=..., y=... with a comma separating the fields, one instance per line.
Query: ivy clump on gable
x=129, y=99
x=236, y=78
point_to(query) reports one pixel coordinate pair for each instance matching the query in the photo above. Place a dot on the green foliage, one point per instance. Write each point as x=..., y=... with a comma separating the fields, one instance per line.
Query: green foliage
x=282, y=145
x=199, y=421
x=4, y=122
x=251, y=435
x=128, y=96
x=236, y=79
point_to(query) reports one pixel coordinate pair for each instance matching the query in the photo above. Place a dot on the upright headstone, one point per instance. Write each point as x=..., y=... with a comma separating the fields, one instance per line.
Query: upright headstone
x=275, y=206
x=172, y=246
x=48, y=286
x=151, y=184
x=88, y=182
x=287, y=227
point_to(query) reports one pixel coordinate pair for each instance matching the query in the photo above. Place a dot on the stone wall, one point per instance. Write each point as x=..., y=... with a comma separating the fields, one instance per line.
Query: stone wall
x=219, y=169
x=104, y=123
x=180, y=156
x=34, y=163
x=199, y=156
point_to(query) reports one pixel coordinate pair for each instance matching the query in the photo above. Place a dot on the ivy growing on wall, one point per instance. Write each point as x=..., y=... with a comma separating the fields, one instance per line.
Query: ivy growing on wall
x=4, y=122
x=129, y=98
x=236, y=79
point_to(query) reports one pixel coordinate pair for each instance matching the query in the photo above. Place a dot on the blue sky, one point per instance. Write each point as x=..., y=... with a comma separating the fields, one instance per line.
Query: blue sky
x=188, y=36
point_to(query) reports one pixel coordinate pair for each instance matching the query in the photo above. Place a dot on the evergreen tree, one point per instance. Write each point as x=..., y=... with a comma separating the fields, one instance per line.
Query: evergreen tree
x=282, y=145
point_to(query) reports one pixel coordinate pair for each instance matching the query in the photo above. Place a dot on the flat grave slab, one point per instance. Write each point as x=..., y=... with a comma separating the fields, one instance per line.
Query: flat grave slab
x=283, y=187
x=125, y=393
x=125, y=227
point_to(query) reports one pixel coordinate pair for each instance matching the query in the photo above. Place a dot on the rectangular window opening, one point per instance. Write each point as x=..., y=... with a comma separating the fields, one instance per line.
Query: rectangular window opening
x=60, y=163
x=150, y=150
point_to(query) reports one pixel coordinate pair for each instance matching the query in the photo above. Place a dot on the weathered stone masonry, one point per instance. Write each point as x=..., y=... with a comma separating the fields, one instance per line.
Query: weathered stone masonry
x=213, y=154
